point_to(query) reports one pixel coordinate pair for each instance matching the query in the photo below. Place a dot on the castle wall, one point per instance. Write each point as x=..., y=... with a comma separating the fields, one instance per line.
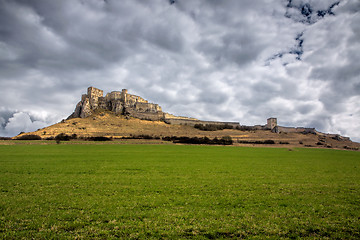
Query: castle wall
x=296, y=130
x=147, y=107
x=190, y=122
x=94, y=92
x=134, y=98
x=171, y=116
x=115, y=95
x=153, y=116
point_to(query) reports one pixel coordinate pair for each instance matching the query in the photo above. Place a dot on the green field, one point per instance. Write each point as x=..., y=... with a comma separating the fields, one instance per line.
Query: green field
x=171, y=192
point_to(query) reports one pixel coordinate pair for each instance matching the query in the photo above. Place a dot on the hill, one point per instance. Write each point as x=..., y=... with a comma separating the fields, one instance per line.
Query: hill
x=107, y=124
x=120, y=115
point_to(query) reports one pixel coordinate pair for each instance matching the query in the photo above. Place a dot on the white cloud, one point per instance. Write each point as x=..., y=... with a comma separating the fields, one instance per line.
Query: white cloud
x=19, y=122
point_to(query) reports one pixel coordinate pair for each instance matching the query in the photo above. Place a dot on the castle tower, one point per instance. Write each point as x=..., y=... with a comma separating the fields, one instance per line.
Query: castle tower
x=93, y=95
x=124, y=93
x=271, y=123
x=94, y=92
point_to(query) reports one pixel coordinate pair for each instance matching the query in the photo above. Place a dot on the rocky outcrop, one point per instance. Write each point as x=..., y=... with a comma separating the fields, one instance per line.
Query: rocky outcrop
x=121, y=103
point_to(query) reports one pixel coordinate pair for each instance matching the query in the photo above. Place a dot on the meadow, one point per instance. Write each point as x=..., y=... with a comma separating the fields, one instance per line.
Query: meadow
x=177, y=192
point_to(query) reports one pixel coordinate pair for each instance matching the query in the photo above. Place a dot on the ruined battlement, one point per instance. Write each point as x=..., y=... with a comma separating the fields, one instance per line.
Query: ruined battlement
x=94, y=92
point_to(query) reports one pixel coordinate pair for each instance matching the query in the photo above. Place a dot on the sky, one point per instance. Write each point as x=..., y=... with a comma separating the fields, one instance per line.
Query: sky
x=231, y=60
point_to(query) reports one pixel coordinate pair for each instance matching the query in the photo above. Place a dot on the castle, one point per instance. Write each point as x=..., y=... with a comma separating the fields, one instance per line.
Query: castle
x=120, y=103
x=123, y=103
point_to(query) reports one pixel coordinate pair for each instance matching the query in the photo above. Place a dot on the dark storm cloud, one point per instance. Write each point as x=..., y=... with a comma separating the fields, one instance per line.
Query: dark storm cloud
x=217, y=60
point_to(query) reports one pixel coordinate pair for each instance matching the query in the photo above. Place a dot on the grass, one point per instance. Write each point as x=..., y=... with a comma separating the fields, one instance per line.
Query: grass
x=172, y=192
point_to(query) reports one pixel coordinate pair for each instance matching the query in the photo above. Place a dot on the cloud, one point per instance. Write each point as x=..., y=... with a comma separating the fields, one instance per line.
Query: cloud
x=13, y=122
x=216, y=60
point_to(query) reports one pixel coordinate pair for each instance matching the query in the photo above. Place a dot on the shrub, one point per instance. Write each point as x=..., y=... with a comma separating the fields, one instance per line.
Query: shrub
x=202, y=140
x=5, y=138
x=244, y=128
x=257, y=142
x=226, y=140
x=166, y=139
x=29, y=137
x=213, y=127
x=62, y=137
x=141, y=136
x=99, y=139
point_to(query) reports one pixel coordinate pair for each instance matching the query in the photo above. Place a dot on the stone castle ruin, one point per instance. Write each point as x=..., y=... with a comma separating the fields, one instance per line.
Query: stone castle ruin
x=123, y=103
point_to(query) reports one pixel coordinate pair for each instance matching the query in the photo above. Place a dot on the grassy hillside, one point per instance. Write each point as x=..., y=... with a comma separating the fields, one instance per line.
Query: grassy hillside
x=109, y=125
x=154, y=191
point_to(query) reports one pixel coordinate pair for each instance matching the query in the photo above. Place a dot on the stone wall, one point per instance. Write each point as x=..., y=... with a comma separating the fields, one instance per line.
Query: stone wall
x=94, y=92
x=190, y=122
x=296, y=130
x=171, y=116
x=115, y=95
x=147, y=107
x=152, y=116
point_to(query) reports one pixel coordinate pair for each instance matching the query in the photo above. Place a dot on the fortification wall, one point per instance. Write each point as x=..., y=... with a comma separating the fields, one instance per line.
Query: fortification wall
x=296, y=130
x=114, y=95
x=147, y=107
x=191, y=122
x=153, y=116
x=171, y=116
x=134, y=99
x=94, y=92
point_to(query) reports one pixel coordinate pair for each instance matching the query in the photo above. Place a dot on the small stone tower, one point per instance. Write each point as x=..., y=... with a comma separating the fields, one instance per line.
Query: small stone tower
x=271, y=123
x=124, y=93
